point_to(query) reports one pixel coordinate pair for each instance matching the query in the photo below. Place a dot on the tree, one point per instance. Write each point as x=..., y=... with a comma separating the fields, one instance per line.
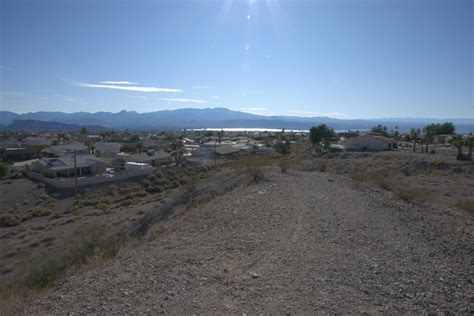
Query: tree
x=457, y=141
x=380, y=129
x=91, y=146
x=177, y=154
x=140, y=145
x=282, y=148
x=469, y=142
x=321, y=135
x=414, y=137
x=83, y=132
x=447, y=128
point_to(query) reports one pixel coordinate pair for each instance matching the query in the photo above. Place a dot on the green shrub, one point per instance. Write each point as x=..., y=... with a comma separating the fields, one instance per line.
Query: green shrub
x=39, y=212
x=49, y=174
x=9, y=221
x=126, y=202
x=4, y=170
x=101, y=206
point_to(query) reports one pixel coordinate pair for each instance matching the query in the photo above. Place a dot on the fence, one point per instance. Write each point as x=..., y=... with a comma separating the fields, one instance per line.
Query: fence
x=86, y=181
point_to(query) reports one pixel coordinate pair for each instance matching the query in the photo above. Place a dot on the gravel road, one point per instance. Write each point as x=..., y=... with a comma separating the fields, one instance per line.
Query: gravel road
x=298, y=243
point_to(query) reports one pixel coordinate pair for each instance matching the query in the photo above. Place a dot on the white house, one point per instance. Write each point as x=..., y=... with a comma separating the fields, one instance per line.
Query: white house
x=368, y=143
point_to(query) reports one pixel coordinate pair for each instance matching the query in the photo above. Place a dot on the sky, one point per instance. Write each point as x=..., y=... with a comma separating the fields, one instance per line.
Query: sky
x=342, y=59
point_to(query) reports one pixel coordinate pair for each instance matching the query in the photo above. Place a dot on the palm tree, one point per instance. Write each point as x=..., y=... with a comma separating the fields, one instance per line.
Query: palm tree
x=177, y=154
x=457, y=141
x=91, y=147
x=140, y=146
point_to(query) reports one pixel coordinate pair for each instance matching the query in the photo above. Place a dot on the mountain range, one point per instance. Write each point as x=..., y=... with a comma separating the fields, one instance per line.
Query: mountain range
x=201, y=118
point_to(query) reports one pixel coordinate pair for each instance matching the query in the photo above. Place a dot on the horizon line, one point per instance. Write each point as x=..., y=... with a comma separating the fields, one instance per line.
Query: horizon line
x=270, y=115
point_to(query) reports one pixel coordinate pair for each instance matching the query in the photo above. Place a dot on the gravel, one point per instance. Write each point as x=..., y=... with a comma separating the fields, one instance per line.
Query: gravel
x=298, y=243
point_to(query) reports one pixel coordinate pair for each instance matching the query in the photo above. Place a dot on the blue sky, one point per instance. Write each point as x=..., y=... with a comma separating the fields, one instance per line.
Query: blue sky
x=343, y=59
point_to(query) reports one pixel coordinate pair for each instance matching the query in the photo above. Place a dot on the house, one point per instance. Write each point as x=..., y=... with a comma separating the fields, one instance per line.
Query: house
x=368, y=143
x=15, y=154
x=153, y=158
x=64, y=166
x=61, y=150
x=109, y=150
x=225, y=150
x=37, y=141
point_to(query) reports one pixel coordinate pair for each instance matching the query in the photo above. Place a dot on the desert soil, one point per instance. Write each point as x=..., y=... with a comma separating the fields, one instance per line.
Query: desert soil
x=297, y=243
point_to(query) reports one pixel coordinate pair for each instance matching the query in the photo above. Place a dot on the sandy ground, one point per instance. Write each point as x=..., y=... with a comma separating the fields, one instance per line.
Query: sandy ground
x=298, y=243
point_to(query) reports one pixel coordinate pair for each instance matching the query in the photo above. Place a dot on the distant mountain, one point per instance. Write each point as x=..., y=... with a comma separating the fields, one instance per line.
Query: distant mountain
x=33, y=125
x=216, y=118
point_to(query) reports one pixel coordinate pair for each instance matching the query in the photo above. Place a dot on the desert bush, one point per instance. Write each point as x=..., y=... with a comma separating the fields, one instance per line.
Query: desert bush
x=9, y=221
x=153, y=189
x=4, y=170
x=466, y=205
x=359, y=176
x=322, y=165
x=39, y=212
x=101, y=206
x=40, y=185
x=253, y=166
x=412, y=194
x=48, y=174
x=285, y=164
x=127, y=202
x=86, y=244
x=56, y=215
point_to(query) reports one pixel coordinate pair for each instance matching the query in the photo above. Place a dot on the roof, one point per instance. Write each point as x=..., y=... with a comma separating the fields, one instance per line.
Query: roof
x=226, y=149
x=157, y=155
x=380, y=138
x=101, y=146
x=67, y=162
x=68, y=147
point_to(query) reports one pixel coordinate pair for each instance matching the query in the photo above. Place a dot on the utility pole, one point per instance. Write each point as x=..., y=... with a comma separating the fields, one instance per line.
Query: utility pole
x=215, y=153
x=297, y=153
x=75, y=178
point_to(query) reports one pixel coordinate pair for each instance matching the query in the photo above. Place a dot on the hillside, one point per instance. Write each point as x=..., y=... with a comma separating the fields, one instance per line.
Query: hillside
x=216, y=118
x=33, y=125
x=297, y=243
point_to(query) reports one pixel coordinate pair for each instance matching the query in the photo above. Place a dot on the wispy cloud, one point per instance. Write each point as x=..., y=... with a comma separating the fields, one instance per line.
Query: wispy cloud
x=184, y=100
x=202, y=87
x=118, y=82
x=127, y=87
x=215, y=97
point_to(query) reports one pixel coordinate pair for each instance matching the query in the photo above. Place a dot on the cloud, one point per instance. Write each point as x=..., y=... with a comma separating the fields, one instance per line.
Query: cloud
x=184, y=100
x=127, y=88
x=202, y=87
x=118, y=82
x=6, y=68
x=215, y=97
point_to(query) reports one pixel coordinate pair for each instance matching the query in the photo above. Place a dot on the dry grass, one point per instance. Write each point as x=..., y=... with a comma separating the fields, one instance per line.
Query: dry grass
x=412, y=194
x=285, y=164
x=466, y=205
x=86, y=246
x=253, y=166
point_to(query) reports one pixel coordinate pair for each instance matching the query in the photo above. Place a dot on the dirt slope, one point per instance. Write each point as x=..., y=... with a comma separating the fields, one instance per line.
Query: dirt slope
x=297, y=243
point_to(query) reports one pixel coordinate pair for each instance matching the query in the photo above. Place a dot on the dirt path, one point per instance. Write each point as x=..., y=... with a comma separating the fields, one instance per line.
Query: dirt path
x=298, y=243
